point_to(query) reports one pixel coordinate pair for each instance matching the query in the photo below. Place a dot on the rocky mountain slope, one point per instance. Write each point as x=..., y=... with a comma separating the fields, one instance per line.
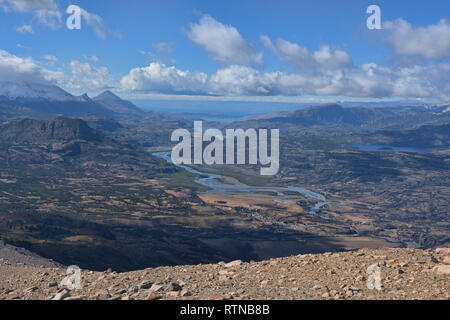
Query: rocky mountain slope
x=405, y=274
x=59, y=129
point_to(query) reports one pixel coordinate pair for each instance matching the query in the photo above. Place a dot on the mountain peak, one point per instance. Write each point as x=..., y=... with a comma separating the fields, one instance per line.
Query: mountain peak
x=110, y=101
x=85, y=98
x=107, y=95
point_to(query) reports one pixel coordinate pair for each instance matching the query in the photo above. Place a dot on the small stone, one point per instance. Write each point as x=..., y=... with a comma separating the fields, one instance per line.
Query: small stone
x=185, y=293
x=443, y=250
x=235, y=263
x=62, y=295
x=133, y=289
x=173, y=286
x=52, y=284
x=145, y=285
x=156, y=288
x=442, y=269
x=103, y=294
x=30, y=289
x=215, y=296
x=153, y=296
x=75, y=298
x=224, y=278
x=172, y=294
x=360, y=278
x=119, y=292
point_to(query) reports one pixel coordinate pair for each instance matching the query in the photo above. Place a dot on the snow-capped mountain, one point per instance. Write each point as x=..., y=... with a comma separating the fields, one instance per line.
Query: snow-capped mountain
x=22, y=97
x=14, y=91
x=27, y=99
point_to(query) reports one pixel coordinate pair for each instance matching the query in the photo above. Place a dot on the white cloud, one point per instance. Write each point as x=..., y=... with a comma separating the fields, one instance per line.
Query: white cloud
x=95, y=22
x=158, y=77
x=28, y=5
x=332, y=60
x=49, y=18
x=14, y=68
x=368, y=81
x=46, y=12
x=243, y=81
x=432, y=42
x=26, y=28
x=293, y=53
x=82, y=76
x=86, y=77
x=51, y=58
x=223, y=43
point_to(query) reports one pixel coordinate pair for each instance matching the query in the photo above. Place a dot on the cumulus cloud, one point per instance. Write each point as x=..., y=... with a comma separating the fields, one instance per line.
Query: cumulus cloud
x=369, y=80
x=243, y=81
x=14, y=68
x=81, y=76
x=332, y=60
x=289, y=52
x=159, y=78
x=293, y=53
x=432, y=42
x=223, y=43
x=86, y=77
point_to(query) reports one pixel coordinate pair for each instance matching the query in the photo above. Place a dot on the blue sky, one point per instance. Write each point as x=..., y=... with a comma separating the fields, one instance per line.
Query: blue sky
x=245, y=50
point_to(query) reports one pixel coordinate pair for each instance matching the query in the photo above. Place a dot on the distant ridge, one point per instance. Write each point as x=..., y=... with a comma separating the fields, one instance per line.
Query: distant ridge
x=334, y=114
x=112, y=102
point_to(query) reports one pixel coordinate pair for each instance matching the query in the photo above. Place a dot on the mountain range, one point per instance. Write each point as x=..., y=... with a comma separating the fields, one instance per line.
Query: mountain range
x=336, y=116
x=47, y=101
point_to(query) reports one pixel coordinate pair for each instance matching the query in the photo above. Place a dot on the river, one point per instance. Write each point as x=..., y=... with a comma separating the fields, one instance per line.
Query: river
x=213, y=182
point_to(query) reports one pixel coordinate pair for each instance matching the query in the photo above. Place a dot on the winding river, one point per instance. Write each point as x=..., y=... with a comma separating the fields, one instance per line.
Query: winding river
x=213, y=182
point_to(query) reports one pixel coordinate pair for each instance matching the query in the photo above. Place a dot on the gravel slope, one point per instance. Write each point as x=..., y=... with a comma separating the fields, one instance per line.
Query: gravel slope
x=405, y=274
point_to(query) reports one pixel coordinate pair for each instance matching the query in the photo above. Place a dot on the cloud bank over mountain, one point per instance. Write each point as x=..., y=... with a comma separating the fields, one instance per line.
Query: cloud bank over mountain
x=418, y=69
